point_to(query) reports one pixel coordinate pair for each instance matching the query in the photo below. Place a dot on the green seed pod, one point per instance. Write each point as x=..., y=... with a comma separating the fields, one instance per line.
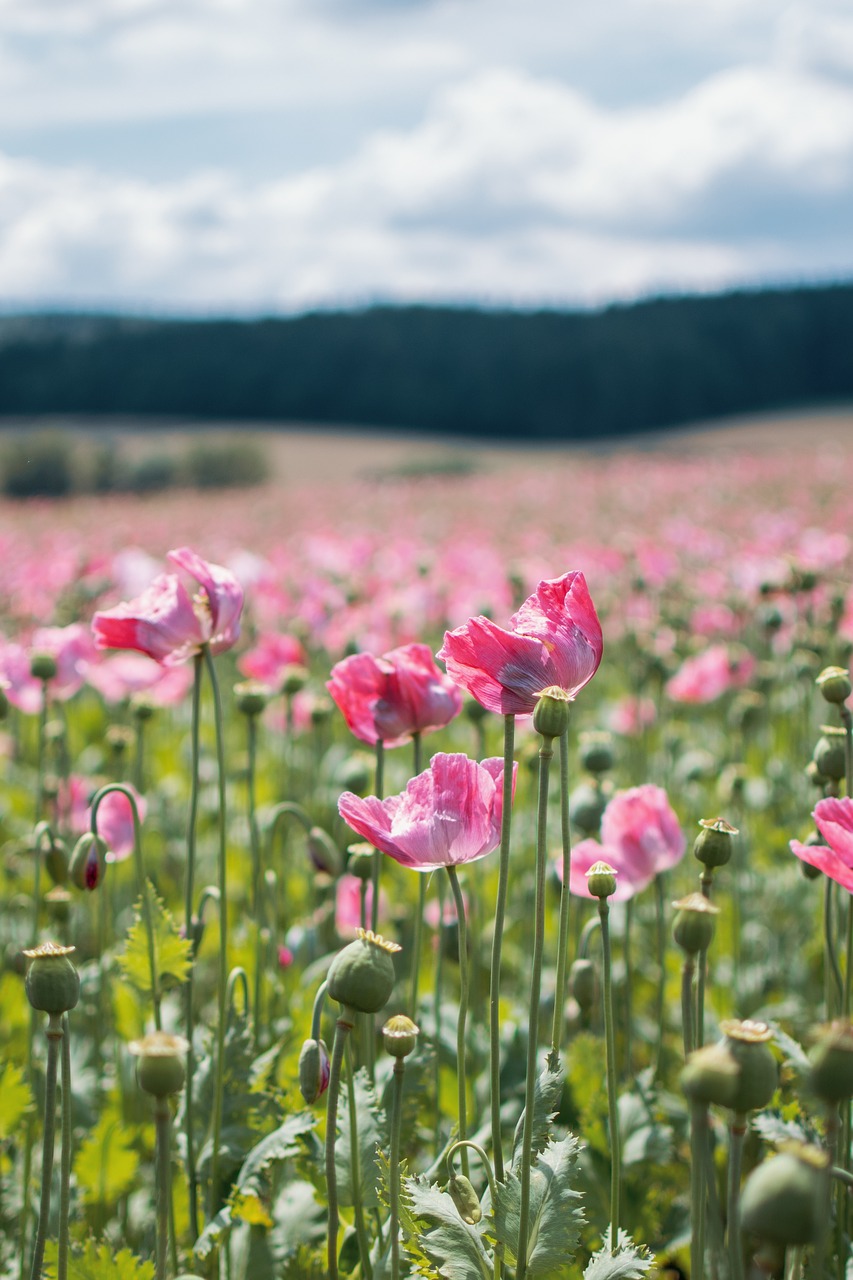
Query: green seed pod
x=360, y=860
x=294, y=679
x=834, y=684
x=58, y=901
x=141, y=707
x=400, y=1036
x=596, y=751
x=586, y=805
x=601, y=880
x=160, y=1069
x=362, y=977
x=583, y=984
x=119, y=739
x=831, y=1074
x=465, y=1198
x=551, y=713
x=314, y=1070
x=88, y=864
x=321, y=711
x=828, y=755
x=43, y=666
x=783, y=1200
x=711, y=1076
x=56, y=861
x=251, y=697
x=695, y=921
x=714, y=845
x=748, y=1044
x=53, y=984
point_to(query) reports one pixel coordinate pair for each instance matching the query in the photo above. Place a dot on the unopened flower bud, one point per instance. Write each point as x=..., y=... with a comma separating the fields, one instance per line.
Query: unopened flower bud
x=834, y=684
x=251, y=696
x=43, y=666
x=141, y=707
x=551, y=713
x=88, y=864
x=783, y=1200
x=831, y=1075
x=294, y=679
x=748, y=1044
x=596, y=751
x=829, y=753
x=400, y=1036
x=53, y=984
x=160, y=1069
x=314, y=1070
x=711, y=1076
x=463, y=1195
x=694, y=924
x=55, y=859
x=583, y=984
x=601, y=880
x=586, y=805
x=360, y=862
x=361, y=977
x=323, y=852
x=715, y=842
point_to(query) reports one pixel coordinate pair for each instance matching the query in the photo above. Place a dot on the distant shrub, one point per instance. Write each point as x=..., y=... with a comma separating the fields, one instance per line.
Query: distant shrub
x=151, y=473
x=105, y=471
x=37, y=465
x=235, y=464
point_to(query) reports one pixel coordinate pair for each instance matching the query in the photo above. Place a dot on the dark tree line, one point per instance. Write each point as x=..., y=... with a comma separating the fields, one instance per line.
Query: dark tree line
x=547, y=374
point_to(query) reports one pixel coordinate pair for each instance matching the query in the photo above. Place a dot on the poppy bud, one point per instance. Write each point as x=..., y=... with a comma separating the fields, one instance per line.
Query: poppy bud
x=831, y=1075
x=551, y=713
x=314, y=1070
x=323, y=852
x=829, y=753
x=695, y=921
x=400, y=1036
x=43, y=666
x=715, y=842
x=294, y=679
x=252, y=697
x=601, y=880
x=55, y=860
x=119, y=738
x=53, y=984
x=783, y=1200
x=160, y=1069
x=141, y=707
x=58, y=901
x=463, y=1195
x=586, y=805
x=711, y=1076
x=360, y=860
x=362, y=977
x=583, y=984
x=834, y=684
x=88, y=861
x=596, y=751
x=748, y=1044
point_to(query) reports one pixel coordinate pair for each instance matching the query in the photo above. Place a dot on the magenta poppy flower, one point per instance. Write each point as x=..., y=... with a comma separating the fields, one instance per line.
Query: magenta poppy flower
x=554, y=639
x=708, y=675
x=449, y=814
x=834, y=820
x=166, y=623
x=390, y=698
x=640, y=837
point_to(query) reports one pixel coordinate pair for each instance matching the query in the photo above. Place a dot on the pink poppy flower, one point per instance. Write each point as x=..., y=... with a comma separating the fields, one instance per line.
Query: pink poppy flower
x=710, y=674
x=348, y=905
x=270, y=658
x=115, y=822
x=392, y=697
x=169, y=626
x=640, y=837
x=449, y=814
x=555, y=639
x=121, y=675
x=834, y=820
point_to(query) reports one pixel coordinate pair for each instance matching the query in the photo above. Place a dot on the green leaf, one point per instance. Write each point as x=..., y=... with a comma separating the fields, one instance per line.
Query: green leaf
x=795, y=1055
x=280, y=1145
x=299, y=1220
x=547, y=1091
x=172, y=953
x=212, y=1234
x=644, y=1139
x=629, y=1262
x=15, y=1099
x=453, y=1247
x=239, y=1102
x=99, y=1262
x=555, y=1217
x=774, y=1129
x=372, y=1129
x=106, y=1163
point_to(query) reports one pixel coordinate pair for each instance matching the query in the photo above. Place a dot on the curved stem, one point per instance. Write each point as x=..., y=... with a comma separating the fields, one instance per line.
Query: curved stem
x=466, y=1142
x=219, y=1084
x=565, y=904
x=317, y=1011
x=65, y=1159
x=343, y=1027
x=463, y=1005
x=610, y=1046
x=54, y=1036
x=497, y=943
x=546, y=753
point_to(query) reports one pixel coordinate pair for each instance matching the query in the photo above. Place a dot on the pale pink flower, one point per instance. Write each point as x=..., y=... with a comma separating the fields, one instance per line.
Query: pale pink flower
x=270, y=658
x=640, y=837
x=391, y=698
x=121, y=675
x=834, y=820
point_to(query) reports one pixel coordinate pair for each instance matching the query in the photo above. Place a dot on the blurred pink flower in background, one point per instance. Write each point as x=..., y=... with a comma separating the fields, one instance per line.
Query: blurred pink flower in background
x=631, y=715
x=554, y=639
x=121, y=675
x=640, y=837
x=270, y=658
x=73, y=651
x=834, y=820
x=448, y=815
x=392, y=697
x=348, y=904
x=710, y=674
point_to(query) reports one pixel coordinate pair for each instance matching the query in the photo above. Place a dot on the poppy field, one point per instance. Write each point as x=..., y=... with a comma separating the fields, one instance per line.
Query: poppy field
x=443, y=876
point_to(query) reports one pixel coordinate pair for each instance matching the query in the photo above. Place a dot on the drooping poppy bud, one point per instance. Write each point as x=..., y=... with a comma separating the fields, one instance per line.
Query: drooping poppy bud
x=88, y=864
x=314, y=1070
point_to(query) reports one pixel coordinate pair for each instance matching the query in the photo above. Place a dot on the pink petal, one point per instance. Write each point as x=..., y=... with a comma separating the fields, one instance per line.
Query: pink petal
x=817, y=855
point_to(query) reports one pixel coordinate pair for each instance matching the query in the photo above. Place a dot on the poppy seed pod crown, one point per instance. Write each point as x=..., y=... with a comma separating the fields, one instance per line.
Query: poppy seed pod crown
x=362, y=977
x=53, y=984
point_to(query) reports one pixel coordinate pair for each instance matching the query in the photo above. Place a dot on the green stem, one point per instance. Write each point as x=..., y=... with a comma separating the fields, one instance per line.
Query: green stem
x=610, y=1046
x=629, y=987
x=473, y=1146
x=565, y=904
x=462, y=1079
x=737, y=1135
x=219, y=1085
x=660, y=938
x=189, y=1019
x=394, y=1197
x=438, y=992
x=497, y=943
x=139, y=756
x=355, y=1168
x=343, y=1027
x=65, y=1159
x=377, y=856
x=687, y=1028
x=417, y=942
x=54, y=1036
x=698, y=1131
x=162, y=1117
x=701, y=981
x=257, y=896
x=832, y=969
x=546, y=753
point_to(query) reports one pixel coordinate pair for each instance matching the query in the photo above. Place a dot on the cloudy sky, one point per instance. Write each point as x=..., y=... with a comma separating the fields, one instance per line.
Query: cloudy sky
x=246, y=156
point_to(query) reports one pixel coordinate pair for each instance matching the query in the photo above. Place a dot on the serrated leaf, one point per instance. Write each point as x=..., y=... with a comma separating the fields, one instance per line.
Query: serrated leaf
x=547, y=1091
x=271, y=1150
x=775, y=1130
x=15, y=1099
x=106, y=1163
x=629, y=1262
x=212, y=1234
x=555, y=1215
x=239, y=1101
x=99, y=1261
x=451, y=1245
x=299, y=1220
x=372, y=1131
x=172, y=953
x=644, y=1139
x=794, y=1054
